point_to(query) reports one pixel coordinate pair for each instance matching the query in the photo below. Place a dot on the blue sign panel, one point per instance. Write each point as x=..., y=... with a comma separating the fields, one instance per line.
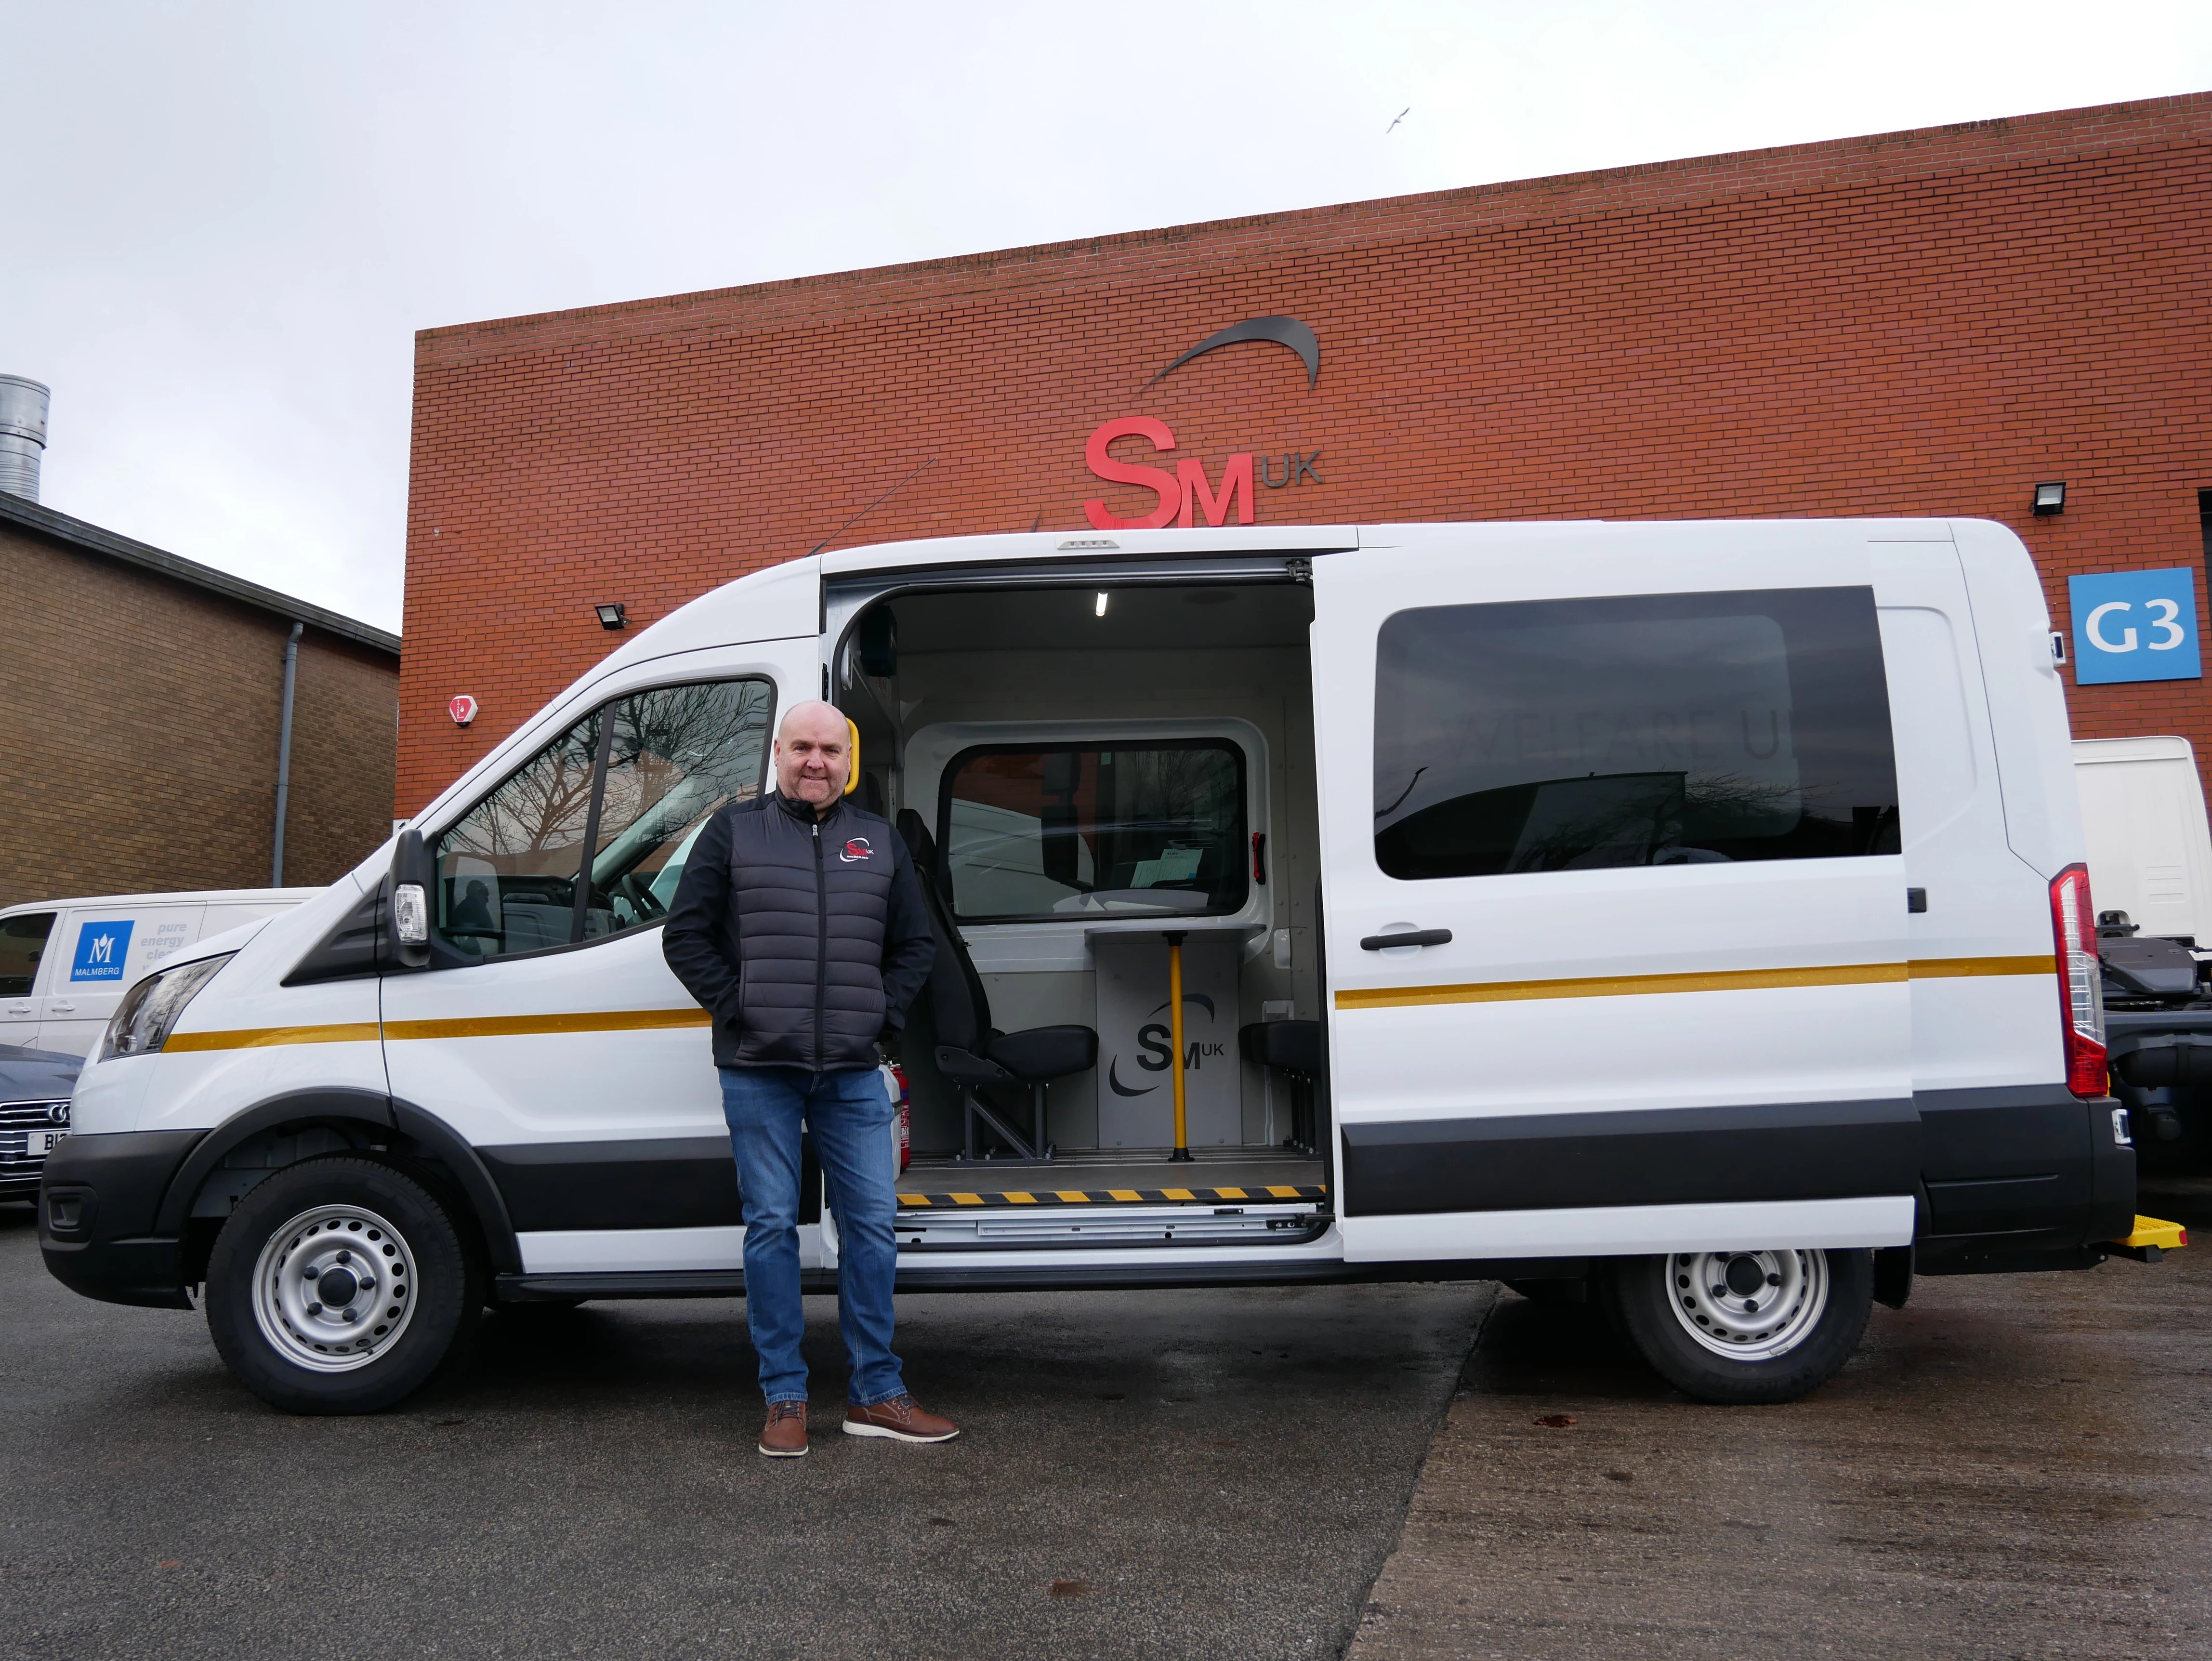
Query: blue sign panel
x=2135, y=625
x=100, y=950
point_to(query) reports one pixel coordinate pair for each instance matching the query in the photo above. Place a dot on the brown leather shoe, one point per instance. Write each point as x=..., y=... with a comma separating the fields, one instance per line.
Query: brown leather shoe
x=784, y=1436
x=902, y=1419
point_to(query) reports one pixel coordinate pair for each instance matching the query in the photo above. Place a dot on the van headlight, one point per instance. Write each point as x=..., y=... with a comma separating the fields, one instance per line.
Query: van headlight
x=149, y=1010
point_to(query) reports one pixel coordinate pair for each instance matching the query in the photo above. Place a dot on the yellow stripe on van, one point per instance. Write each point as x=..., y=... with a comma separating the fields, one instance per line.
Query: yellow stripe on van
x=1928, y=968
x=259, y=1037
x=1622, y=986
x=533, y=1026
x=1727, y=980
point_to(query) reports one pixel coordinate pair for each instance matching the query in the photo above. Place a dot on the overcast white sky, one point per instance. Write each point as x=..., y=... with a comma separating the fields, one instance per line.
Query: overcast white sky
x=224, y=222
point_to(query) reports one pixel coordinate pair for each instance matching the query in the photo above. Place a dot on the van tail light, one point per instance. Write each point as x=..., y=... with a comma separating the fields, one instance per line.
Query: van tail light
x=2081, y=991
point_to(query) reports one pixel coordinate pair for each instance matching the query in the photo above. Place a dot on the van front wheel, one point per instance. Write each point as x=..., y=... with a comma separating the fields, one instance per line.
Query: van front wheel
x=1744, y=1327
x=339, y=1286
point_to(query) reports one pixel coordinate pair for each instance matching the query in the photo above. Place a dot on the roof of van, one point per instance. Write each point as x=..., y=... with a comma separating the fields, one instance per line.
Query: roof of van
x=195, y=896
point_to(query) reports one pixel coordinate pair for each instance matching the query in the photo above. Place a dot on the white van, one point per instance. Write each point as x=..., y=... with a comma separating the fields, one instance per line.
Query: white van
x=1553, y=903
x=2149, y=843
x=65, y=965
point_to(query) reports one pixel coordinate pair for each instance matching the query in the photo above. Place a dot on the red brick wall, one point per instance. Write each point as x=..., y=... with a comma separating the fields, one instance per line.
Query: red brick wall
x=1921, y=323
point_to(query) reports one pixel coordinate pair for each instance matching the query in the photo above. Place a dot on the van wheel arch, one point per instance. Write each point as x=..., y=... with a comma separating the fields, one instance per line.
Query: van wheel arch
x=376, y=1126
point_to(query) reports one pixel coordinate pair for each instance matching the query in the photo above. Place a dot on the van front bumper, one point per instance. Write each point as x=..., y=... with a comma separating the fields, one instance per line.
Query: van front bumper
x=98, y=1200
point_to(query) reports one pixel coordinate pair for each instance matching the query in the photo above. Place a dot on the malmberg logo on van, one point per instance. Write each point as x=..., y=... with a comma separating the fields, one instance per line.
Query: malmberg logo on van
x=101, y=949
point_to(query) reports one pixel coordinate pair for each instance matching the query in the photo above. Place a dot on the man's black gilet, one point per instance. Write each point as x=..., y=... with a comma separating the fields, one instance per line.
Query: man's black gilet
x=810, y=903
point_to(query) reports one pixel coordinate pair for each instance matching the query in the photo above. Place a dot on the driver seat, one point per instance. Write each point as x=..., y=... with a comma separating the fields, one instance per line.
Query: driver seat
x=970, y=1052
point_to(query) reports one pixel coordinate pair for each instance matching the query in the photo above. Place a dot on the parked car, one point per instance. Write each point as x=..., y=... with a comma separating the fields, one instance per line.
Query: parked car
x=34, y=1114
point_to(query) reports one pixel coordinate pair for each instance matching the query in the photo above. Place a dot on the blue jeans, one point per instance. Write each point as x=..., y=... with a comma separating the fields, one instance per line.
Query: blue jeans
x=850, y=1115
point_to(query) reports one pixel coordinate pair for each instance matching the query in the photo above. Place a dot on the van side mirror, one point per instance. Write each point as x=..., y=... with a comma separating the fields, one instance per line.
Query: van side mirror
x=408, y=928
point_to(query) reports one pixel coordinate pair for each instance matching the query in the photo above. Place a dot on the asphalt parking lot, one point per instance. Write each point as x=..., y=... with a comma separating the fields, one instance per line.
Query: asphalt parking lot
x=2011, y=1467
x=1216, y=1473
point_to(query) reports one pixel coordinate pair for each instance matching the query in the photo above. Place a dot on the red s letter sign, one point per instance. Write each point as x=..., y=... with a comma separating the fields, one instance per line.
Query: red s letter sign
x=1164, y=485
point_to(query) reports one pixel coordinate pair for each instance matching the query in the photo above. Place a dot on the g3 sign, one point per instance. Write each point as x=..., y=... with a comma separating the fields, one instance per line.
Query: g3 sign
x=2135, y=625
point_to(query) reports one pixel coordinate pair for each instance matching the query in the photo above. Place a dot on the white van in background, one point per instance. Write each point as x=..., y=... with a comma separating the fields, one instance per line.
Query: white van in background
x=2150, y=847
x=65, y=965
x=1571, y=885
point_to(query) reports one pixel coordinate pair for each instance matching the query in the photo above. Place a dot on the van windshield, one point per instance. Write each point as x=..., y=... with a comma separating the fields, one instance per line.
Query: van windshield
x=22, y=943
x=1154, y=828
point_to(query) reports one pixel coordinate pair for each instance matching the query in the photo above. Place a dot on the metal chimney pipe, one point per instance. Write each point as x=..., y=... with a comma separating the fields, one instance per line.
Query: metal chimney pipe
x=22, y=435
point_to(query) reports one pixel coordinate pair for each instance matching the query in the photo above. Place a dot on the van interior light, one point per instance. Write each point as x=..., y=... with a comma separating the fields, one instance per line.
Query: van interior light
x=2051, y=498
x=612, y=616
x=1100, y=610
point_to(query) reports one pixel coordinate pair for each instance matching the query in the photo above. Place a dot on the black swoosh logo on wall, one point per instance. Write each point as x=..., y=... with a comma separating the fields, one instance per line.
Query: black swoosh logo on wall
x=1198, y=998
x=1121, y=1089
x=1282, y=331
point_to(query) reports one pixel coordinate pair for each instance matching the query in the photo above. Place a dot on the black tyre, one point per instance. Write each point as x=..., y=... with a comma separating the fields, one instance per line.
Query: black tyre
x=341, y=1286
x=1742, y=1327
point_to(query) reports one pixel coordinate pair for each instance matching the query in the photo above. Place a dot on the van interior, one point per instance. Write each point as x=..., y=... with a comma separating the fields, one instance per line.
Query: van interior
x=1078, y=773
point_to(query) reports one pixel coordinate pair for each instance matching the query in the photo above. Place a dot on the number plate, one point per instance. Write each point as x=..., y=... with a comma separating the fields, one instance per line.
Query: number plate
x=41, y=1142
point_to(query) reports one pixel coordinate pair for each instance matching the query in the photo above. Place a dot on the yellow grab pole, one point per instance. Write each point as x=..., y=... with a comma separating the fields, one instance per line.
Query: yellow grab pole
x=1174, y=1034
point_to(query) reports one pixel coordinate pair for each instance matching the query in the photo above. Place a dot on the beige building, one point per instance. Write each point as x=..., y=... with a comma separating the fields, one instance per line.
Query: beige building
x=143, y=697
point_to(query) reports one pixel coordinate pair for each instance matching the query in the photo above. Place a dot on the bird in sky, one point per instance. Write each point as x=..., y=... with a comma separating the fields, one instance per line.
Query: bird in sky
x=1400, y=116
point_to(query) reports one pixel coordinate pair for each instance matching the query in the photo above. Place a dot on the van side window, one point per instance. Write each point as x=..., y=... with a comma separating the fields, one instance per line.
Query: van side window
x=678, y=753
x=632, y=782
x=22, y=943
x=1152, y=828
x=1632, y=730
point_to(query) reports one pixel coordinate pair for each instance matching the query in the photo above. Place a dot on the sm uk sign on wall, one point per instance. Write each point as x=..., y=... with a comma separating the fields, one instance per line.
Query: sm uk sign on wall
x=2135, y=625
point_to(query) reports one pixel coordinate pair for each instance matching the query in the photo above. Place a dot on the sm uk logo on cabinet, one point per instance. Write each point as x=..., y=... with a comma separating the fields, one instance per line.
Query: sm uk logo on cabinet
x=2135, y=625
x=1192, y=492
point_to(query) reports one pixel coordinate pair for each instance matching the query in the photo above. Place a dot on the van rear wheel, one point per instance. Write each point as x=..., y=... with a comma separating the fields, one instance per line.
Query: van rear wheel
x=340, y=1286
x=1742, y=1327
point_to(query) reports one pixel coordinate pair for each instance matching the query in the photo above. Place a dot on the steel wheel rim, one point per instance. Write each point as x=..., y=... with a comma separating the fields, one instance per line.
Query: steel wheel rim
x=1714, y=1296
x=362, y=1255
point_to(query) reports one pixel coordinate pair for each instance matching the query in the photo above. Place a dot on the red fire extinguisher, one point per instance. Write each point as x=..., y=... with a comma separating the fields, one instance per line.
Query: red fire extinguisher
x=905, y=1118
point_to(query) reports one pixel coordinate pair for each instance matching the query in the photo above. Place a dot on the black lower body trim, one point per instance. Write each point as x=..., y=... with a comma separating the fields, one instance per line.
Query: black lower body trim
x=2021, y=1176
x=664, y=1182
x=1671, y=1156
x=675, y=1182
x=97, y=1206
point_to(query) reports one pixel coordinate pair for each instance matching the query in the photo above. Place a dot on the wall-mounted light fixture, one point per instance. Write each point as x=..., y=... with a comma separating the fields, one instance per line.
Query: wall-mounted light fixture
x=614, y=616
x=2051, y=498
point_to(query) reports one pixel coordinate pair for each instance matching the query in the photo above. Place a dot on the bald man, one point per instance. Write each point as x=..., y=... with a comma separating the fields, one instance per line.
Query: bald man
x=799, y=926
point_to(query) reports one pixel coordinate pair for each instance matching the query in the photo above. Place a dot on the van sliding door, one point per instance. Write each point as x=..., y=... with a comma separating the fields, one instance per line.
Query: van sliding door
x=1615, y=911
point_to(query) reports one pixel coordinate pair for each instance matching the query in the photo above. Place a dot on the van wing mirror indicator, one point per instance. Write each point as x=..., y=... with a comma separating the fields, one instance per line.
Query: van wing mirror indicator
x=409, y=908
x=410, y=914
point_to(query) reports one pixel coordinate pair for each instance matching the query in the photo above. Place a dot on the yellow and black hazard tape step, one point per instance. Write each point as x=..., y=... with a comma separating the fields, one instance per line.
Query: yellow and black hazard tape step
x=1062, y=1196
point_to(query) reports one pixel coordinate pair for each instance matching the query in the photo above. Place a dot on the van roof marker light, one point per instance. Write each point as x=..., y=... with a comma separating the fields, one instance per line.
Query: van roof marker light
x=1099, y=611
x=1091, y=544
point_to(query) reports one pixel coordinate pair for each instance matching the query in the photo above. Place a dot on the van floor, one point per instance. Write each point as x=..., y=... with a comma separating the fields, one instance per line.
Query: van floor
x=1145, y=1171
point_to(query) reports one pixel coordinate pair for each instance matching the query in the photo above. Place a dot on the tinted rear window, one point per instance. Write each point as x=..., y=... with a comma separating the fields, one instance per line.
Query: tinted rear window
x=1632, y=730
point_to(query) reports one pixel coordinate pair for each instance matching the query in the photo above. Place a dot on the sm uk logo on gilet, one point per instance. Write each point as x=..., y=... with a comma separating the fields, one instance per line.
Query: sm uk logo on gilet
x=101, y=948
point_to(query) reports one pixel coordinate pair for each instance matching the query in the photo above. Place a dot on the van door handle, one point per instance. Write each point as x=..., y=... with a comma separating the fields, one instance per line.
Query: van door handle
x=62, y=1006
x=1414, y=937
